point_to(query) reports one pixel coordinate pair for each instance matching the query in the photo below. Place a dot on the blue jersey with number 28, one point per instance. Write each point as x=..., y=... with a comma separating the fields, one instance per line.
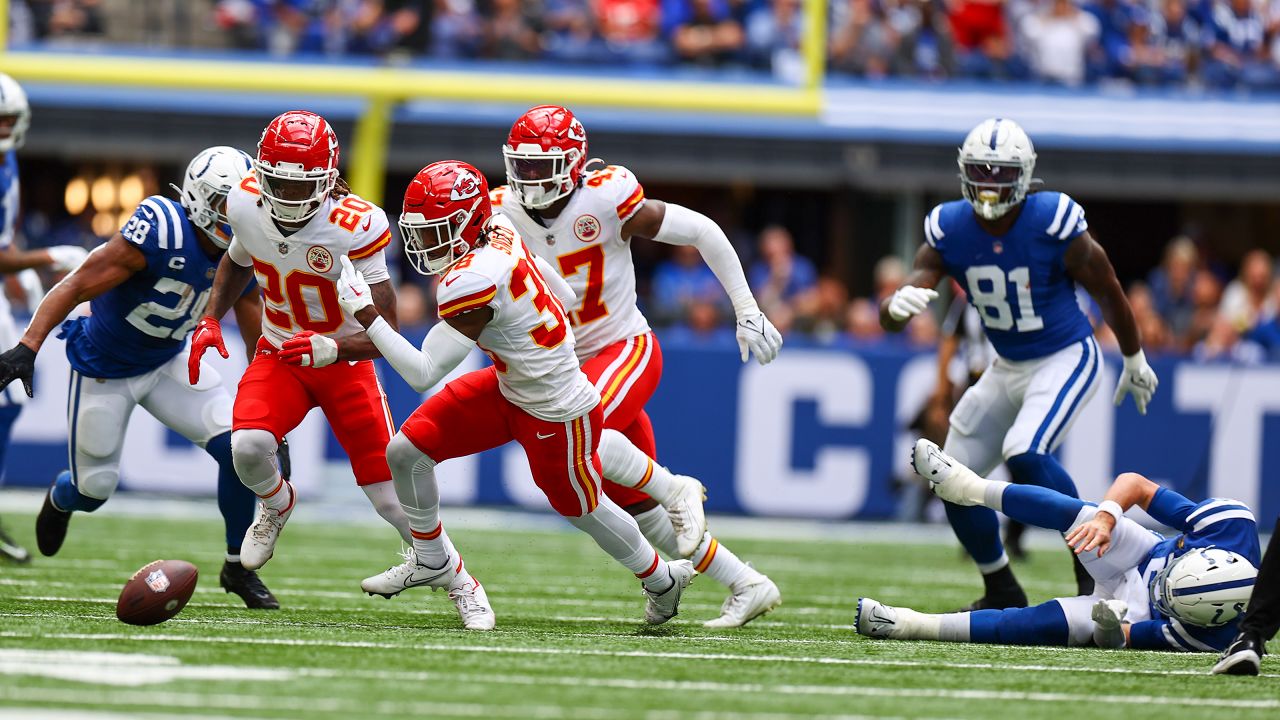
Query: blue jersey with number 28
x=142, y=323
x=1017, y=282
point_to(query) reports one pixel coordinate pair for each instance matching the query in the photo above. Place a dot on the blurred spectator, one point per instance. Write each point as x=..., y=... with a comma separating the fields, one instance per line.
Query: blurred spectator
x=1155, y=334
x=703, y=32
x=457, y=30
x=1207, y=295
x=1266, y=334
x=890, y=274
x=1246, y=299
x=984, y=45
x=774, y=32
x=1115, y=21
x=512, y=32
x=862, y=320
x=926, y=48
x=681, y=282
x=412, y=307
x=1172, y=284
x=378, y=27
x=569, y=30
x=1238, y=54
x=780, y=275
x=821, y=310
x=864, y=44
x=1058, y=39
x=53, y=19
x=631, y=29
x=1165, y=46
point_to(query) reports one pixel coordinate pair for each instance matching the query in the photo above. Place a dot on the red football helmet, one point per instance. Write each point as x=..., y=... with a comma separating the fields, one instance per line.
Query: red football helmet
x=545, y=155
x=297, y=165
x=446, y=209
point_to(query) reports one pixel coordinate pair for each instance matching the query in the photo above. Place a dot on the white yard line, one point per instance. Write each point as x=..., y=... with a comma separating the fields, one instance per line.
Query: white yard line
x=648, y=654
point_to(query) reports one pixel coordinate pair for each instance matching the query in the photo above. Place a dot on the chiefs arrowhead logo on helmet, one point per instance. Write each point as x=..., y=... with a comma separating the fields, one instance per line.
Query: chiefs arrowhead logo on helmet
x=467, y=185
x=545, y=155
x=576, y=131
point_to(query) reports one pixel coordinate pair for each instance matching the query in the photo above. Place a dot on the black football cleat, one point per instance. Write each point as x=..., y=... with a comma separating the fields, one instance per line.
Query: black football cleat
x=51, y=526
x=10, y=549
x=234, y=578
x=998, y=601
x=1242, y=657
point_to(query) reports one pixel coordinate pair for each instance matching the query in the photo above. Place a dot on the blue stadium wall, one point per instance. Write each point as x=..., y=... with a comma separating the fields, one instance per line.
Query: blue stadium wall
x=818, y=434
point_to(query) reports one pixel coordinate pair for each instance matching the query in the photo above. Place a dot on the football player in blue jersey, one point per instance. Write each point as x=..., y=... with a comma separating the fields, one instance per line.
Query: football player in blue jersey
x=148, y=286
x=1184, y=593
x=1019, y=257
x=15, y=118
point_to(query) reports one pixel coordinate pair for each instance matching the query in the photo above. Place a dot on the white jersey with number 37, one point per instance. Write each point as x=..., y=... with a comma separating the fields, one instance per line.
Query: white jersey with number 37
x=297, y=272
x=529, y=338
x=584, y=243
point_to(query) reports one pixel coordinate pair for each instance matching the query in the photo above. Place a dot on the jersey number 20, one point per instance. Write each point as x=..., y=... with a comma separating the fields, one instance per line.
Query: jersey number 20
x=989, y=291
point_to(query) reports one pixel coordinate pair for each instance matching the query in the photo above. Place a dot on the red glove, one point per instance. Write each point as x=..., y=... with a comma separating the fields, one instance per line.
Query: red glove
x=208, y=334
x=309, y=350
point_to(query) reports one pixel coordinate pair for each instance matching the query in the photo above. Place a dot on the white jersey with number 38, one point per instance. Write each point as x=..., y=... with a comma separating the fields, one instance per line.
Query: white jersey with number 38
x=297, y=272
x=529, y=338
x=584, y=243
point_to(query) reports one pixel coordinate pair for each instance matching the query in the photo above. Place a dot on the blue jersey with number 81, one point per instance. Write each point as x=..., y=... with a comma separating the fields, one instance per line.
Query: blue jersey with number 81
x=142, y=323
x=1017, y=282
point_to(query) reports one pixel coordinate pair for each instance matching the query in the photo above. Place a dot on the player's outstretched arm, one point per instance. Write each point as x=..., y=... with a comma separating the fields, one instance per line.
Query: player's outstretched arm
x=1087, y=263
x=676, y=225
x=360, y=346
x=915, y=295
x=233, y=276
x=107, y=267
x=59, y=258
x=446, y=345
x=248, y=310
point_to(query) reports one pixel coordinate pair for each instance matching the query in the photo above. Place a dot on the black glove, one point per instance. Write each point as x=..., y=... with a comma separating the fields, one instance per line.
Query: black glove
x=18, y=363
x=282, y=457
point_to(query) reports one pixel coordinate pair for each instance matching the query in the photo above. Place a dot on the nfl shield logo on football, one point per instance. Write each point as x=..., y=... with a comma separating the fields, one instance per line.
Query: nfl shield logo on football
x=586, y=228
x=158, y=581
x=319, y=259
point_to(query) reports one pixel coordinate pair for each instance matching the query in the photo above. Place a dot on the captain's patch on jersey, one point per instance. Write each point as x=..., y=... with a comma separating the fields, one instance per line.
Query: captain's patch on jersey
x=586, y=228
x=319, y=259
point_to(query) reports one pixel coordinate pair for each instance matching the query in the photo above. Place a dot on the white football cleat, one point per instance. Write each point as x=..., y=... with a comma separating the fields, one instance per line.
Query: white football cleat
x=875, y=619
x=661, y=607
x=684, y=506
x=260, y=539
x=408, y=574
x=948, y=478
x=473, y=606
x=751, y=598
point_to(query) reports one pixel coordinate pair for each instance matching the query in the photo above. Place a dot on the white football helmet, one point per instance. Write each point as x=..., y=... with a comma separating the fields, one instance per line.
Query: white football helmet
x=1208, y=587
x=209, y=177
x=13, y=104
x=996, y=162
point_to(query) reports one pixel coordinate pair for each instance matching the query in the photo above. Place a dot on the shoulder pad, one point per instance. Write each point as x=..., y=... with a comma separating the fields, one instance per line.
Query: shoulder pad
x=461, y=290
x=157, y=224
x=498, y=195
x=936, y=223
x=1063, y=217
x=620, y=187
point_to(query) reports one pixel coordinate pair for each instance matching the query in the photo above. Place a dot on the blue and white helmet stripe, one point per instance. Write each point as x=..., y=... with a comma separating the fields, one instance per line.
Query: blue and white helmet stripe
x=1206, y=587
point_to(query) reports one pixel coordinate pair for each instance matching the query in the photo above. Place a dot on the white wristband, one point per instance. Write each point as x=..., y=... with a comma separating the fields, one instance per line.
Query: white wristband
x=1112, y=508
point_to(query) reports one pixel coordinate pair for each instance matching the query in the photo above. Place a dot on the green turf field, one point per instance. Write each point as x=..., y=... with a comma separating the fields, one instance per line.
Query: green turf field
x=569, y=643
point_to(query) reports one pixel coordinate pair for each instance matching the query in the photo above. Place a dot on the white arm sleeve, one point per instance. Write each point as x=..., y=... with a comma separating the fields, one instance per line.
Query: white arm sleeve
x=238, y=254
x=558, y=286
x=682, y=226
x=442, y=350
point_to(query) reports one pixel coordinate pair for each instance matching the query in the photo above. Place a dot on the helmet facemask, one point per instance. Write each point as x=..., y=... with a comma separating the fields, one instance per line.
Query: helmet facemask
x=433, y=246
x=994, y=187
x=540, y=177
x=292, y=193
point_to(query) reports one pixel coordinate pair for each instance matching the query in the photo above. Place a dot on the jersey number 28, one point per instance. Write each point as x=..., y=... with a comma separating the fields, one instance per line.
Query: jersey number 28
x=989, y=291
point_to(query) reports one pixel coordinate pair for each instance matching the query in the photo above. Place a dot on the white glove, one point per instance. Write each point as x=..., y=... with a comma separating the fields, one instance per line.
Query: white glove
x=758, y=336
x=1108, y=622
x=353, y=291
x=909, y=301
x=65, y=258
x=29, y=280
x=1137, y=379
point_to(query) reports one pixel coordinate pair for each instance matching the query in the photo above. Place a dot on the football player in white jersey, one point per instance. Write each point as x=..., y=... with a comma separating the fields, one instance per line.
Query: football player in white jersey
x=292, y=220
x=496, y=295
x=582, y=223
x=15, y=117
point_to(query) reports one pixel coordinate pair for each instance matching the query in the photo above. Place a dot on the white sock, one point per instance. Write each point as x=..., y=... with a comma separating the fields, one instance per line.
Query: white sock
x=253, y=452
x=624, y=463
x=717, y=561
x=414, y=478
x=387, y=504
x=655, y=525
x=618, y=535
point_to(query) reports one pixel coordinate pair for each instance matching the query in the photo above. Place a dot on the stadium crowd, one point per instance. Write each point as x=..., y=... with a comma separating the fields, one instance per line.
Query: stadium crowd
x=1193, y=43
